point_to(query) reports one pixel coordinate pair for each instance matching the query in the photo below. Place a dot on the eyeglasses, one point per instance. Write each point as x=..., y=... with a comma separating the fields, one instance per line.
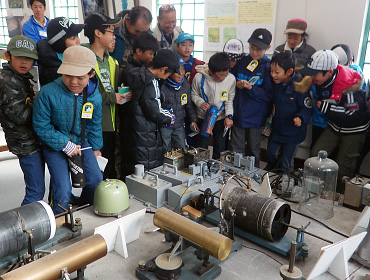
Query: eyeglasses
x=110, y=31
x=257, y=50
x=221, y=77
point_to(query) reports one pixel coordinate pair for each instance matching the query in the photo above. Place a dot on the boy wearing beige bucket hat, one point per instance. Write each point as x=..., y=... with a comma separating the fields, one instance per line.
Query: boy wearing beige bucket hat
x=67, y=120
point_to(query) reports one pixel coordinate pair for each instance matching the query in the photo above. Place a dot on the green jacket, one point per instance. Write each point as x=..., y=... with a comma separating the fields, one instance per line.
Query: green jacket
x=109, y=98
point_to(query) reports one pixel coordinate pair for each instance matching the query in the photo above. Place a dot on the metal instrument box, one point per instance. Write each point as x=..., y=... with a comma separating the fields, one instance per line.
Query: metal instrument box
x=171, y=174
x=179, y=196
x=175, y=157
x=195, y=155
x=354, y=191
x=148, y=188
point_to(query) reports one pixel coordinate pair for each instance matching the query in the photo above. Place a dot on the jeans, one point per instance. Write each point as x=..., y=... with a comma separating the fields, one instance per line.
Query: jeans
x=60, y=177
x=33, y=168
x=284, y=152
x=173, y=138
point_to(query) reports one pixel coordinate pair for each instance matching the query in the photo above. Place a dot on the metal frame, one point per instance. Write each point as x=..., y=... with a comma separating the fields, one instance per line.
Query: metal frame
x=181, y=21
x=60, y=5
x=4, y=34
x=365, y=40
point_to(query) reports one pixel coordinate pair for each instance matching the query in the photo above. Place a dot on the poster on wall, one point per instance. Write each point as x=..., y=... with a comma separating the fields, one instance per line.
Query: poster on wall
x=93, y=6
x=15, y=4
x=15, y=24
x=236, y=19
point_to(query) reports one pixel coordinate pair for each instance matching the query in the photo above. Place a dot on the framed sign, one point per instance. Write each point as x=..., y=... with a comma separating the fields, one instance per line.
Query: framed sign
x=93, y=6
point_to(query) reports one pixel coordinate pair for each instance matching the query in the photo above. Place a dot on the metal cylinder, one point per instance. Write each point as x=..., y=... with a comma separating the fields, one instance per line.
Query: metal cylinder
x=139, y=170
x=257, y=213
x=213, y=243
x=72, y=257
x=37, y=218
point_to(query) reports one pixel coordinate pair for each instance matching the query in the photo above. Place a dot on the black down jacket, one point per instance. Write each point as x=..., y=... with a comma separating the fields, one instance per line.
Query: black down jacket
x=16, y=103
x=48, y=62
x=141, y=142
x=180, y=102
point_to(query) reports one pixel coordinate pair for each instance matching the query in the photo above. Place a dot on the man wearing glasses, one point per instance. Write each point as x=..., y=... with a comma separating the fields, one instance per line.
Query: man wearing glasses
x=166, y=31
x=134, y=21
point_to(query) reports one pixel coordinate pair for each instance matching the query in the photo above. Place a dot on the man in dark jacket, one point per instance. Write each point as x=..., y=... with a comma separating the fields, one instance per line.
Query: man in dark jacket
x=140, y=138
x=134, y=21
x=16, y=104
x=344, y=105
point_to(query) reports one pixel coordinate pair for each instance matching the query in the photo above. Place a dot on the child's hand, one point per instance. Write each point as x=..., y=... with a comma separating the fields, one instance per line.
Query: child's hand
x=128, y=95
x=76, y=151
x=228, y=123
x=194, y=126
x=205, y=106
x=97, y=154
x=297, y=121
x=318, y=104
x=118, y=98
x=242, y=84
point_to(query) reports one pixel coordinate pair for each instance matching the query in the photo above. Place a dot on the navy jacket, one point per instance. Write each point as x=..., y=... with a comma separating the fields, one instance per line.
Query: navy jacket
x=291, y=100
x=251, y=107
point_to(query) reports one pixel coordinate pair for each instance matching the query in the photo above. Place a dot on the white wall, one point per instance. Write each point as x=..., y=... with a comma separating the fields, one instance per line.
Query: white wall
x=329, y=21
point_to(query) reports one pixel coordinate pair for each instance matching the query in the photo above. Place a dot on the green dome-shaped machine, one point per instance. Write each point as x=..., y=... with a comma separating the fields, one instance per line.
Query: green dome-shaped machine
x=111, y=198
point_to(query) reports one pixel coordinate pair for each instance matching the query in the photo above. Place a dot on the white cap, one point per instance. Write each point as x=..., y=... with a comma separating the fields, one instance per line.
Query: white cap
x=320, y=61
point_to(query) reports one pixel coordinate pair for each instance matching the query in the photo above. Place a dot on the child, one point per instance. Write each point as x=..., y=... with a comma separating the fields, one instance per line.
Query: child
x=214, y=86
x=141, y=142
x=343, y=104
x=16, y=102
x=100, y=31
x=57, y=120
x=185, y=47
x=253, y=95
x=62, y=33
x=176, y=96
x=144, y=47
x=293, y=110
x=296, y=42
x=235, y=50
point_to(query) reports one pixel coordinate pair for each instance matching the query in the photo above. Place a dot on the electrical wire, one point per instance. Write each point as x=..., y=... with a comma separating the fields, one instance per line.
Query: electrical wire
x=321, y=223
x=262, y=253
x=355, y=271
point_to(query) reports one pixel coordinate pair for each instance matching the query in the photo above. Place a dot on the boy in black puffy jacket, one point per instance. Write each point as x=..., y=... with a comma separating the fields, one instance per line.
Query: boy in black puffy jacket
x=176, y=97
x=140, y=138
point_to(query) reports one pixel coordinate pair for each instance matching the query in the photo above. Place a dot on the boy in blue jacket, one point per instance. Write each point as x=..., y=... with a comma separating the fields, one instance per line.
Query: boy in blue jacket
x=57, y=120
x=253, y=95
x=293, y=111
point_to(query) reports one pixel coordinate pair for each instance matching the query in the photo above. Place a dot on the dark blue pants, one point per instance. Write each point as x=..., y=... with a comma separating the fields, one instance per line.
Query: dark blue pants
x=284, y=152
x=219, y=142
x=60, y=177
x=33, y=168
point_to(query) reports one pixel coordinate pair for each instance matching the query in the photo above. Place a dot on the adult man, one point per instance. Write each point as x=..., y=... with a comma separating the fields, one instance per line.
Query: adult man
x=35, y=27
x=134, y=21
x=166, y=31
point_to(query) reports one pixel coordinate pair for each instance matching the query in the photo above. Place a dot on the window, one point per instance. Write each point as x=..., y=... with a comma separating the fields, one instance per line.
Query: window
x=364, y=61
x=190, y=17
x=4, y=35
x=66, y=8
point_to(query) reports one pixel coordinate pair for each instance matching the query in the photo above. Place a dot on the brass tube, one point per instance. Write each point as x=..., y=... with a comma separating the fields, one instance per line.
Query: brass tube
x=213, y=243
x=72, y=257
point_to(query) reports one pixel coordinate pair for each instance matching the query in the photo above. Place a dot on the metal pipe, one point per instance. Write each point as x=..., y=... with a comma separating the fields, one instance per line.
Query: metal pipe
x=292, y=256
x=215, y=244
x=72, y=257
